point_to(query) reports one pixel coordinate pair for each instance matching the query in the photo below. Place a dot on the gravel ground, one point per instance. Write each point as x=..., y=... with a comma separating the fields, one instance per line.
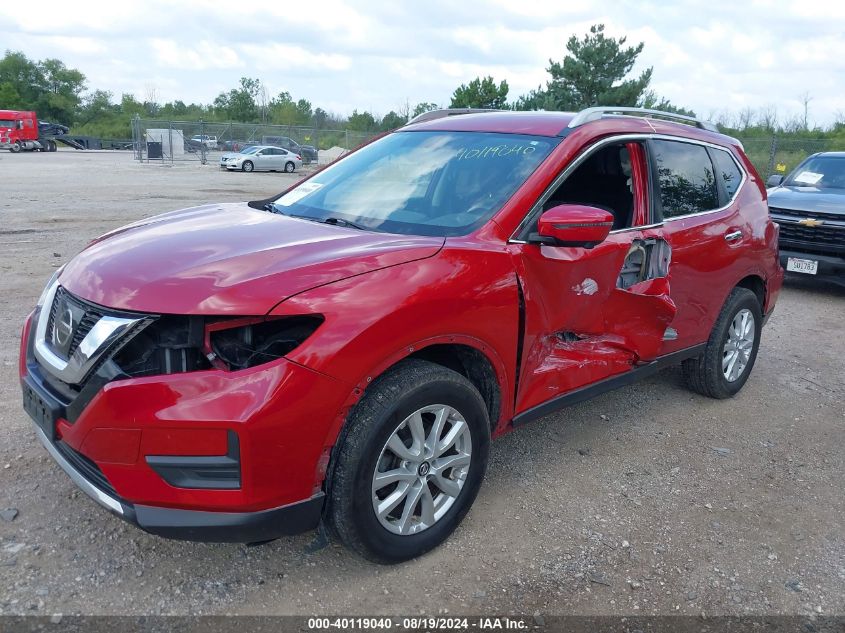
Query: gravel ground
x=647, y=500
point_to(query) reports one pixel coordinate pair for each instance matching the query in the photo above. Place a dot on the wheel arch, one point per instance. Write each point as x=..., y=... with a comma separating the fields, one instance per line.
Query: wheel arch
x=757, y=285
x=472, y=358
x=469, y=356
x=472, y=364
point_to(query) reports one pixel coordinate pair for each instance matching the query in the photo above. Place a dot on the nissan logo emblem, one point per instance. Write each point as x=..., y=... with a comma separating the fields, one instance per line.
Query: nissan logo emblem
x=63, y=330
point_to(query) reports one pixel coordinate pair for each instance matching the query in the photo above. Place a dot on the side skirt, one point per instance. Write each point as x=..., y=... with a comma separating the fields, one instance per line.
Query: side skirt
x=608, y=384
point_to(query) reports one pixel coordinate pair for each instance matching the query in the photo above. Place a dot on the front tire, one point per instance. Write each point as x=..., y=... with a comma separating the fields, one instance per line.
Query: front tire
x=410, y=463
x=16, y=147
x=247, y=166
x=724, y=366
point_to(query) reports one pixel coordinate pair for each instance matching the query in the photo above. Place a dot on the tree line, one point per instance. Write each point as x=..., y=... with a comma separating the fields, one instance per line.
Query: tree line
x=596, y=70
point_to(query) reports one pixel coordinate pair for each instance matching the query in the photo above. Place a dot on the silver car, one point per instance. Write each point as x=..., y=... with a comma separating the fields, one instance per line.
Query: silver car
x=261, y=158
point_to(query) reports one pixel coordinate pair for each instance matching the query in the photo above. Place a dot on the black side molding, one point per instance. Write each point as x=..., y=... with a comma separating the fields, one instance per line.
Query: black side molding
x=608, y=384
x=217, y=472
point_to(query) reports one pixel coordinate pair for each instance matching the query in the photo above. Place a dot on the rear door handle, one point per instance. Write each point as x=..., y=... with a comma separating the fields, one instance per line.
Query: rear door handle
x=733, y=236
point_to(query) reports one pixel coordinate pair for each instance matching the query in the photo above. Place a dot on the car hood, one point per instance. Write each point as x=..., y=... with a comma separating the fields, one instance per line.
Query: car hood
x=808, y=199
x=228, y=259
x=232, y=155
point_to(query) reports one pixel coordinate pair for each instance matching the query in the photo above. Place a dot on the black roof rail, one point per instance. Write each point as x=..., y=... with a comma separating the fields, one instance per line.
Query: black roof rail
x=443, y=113
x=594, y=114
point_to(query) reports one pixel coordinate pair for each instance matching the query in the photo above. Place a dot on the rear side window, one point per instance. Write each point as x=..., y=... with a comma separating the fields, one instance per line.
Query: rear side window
x=685, y=178
x=727, y=170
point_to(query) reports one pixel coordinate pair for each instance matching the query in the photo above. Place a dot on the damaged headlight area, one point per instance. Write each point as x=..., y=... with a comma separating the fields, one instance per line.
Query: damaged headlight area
x=180, y=344
x=251, y=342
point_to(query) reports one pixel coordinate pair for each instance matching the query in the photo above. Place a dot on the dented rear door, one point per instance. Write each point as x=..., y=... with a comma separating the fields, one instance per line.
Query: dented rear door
x=705, y=231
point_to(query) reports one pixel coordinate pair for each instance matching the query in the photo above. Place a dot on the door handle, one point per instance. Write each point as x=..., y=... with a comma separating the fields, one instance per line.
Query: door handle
x=733, y=236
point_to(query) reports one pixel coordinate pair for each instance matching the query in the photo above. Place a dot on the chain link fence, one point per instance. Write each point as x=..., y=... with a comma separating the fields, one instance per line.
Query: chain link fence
x=155, y=140
x=776, y=155
x=201, y=141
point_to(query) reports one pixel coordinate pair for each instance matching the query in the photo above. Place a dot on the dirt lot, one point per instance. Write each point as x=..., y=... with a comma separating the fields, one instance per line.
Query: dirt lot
x=646, y=500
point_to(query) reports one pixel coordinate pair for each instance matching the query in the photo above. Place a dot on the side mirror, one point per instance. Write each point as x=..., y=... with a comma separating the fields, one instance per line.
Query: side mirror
x=573, y=225
x=774, y=180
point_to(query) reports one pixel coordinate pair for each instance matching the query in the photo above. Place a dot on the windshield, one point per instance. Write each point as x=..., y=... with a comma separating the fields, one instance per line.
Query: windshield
x=822, y=172
x=421, y=183
x=250, y=150
x=6, y=123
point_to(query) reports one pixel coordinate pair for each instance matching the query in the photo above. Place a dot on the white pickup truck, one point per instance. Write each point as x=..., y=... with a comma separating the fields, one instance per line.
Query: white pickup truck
x=210, y=142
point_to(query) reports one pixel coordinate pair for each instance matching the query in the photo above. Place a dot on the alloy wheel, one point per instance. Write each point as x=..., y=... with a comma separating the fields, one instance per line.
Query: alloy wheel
x=739, y=345
x=422, y=469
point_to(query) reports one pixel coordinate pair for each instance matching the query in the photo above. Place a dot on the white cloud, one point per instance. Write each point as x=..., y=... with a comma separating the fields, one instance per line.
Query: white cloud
x=285, y=57
x=201, y=56
x=80, y=45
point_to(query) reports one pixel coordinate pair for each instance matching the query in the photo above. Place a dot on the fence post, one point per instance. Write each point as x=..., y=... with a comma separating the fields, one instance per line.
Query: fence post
x=203, y=147
x=347, y=140
x=170, y=139
x=772, y=151
x=136, y=145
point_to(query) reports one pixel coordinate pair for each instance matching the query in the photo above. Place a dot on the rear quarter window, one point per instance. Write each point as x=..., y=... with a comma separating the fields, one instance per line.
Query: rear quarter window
x=685, y=178
x=727, y=171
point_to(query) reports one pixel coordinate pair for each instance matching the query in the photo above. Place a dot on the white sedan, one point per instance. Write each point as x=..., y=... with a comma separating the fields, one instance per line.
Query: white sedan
x=261, y=158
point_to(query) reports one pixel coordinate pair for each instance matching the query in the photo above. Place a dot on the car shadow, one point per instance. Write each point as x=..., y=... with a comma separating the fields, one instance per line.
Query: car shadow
x=815, y=285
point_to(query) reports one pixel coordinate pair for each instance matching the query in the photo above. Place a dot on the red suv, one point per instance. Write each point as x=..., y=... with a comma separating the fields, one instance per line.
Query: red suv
x=344, y=352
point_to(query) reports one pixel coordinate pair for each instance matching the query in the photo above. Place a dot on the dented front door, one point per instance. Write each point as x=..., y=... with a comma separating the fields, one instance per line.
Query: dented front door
x=589, y=314
x=579, y=325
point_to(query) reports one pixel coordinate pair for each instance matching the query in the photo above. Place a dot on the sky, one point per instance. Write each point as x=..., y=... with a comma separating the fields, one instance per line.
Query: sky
x=713, y=57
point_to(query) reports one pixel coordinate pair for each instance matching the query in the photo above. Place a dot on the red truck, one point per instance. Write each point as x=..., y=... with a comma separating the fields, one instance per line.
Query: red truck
x=345, y=351
x=20, y=130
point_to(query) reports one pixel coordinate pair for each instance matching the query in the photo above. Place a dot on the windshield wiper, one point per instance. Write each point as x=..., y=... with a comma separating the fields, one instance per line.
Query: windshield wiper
x=272, y=207
x=341, y=222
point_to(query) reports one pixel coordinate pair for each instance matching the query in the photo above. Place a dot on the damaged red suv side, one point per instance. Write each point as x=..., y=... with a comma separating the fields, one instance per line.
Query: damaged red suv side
x=344, y=352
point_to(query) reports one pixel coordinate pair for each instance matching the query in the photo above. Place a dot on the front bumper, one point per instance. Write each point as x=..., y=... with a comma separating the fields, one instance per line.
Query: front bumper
x=194, y=525
x=831, y=267
x=126, y=442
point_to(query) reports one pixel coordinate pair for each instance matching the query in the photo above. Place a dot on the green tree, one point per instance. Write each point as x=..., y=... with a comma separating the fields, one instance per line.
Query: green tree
x=131, y=107
x=319, y=118
x=62, y=90
x=481, y=93
x=25, y=77
x=363, y=122
x=422, y=108
x=651, y=101
x=96, y=106
x=303, y=112
x=10, y=99
x=285, y=111
x=391, y=121
x=538, y=99
x=594, y=71
x=239, y=103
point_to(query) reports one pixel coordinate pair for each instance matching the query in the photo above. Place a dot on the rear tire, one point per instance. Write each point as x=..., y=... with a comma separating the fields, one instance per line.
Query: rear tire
x=289, y=167
x=726, y=363
x=444, y=419
x=247, y=166
x=51, y=146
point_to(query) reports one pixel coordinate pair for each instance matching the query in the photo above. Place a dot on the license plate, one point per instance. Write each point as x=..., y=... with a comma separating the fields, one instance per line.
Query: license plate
x=44, y=415
x=806, y=266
